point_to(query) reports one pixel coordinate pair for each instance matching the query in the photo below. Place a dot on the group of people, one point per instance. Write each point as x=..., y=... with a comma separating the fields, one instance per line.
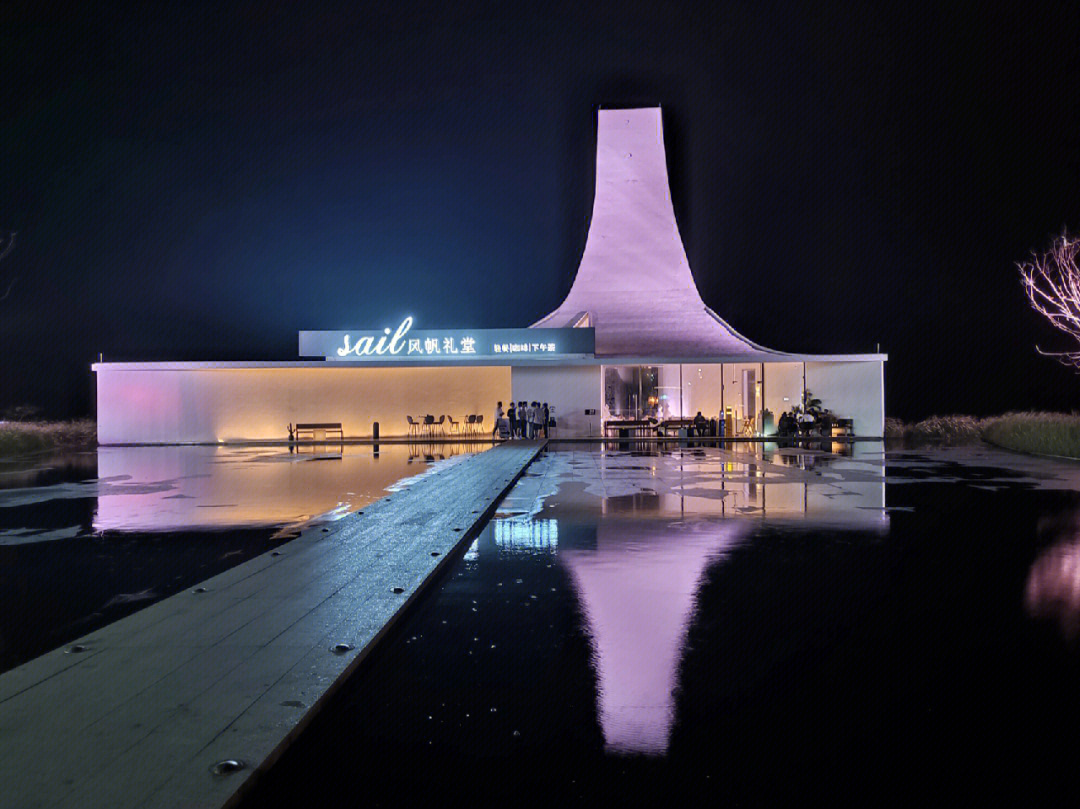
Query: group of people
x=522, y=420
x=794, y=422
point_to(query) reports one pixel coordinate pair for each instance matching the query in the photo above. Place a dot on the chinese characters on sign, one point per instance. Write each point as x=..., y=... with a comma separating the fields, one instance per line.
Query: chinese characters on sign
x=520, y=348
x=405, y=344
x=449, y=346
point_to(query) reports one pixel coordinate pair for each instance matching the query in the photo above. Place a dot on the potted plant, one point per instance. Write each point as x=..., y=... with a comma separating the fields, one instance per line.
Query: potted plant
x=810, y=406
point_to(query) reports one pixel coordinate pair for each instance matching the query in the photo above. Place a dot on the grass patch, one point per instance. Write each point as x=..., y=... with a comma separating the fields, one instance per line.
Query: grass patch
x=25, y=437
x=1039, y=433
x=1036, y=433
x=937, y=429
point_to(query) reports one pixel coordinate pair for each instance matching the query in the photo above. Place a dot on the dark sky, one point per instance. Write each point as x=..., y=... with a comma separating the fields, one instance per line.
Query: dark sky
x=203, y=183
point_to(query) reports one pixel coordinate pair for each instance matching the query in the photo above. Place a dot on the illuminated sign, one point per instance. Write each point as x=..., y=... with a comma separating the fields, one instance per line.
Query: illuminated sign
x=403, y=343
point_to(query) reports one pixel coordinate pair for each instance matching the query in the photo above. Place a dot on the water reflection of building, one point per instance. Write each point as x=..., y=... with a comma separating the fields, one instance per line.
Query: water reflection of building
x=206, y=488
x=527, y=535
x=637, y=559
x=1052, y=591
x=636, y=589
x=431, y=451
x=763, y=479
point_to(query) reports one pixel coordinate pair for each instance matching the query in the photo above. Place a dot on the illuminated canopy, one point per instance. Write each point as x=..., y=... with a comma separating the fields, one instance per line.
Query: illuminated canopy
x=634, y=284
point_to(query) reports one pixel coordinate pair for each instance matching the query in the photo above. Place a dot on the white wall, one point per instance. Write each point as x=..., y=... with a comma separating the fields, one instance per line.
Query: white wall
x=182, y=406
x=851, y=390
x=571, y=389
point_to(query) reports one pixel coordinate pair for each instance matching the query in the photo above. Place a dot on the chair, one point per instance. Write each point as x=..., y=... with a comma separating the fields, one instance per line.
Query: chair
x=480, y=423
x=414, y=428
x=429, y=423
x=470, y=423
x=439, y=424
x=455, y=426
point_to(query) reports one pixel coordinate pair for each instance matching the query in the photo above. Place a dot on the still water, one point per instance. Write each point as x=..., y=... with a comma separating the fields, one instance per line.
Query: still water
x=90, y=537
x=639, y=625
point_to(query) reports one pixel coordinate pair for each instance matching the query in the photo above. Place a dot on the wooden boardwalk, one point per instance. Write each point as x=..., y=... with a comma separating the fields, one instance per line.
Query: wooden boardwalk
x=139, y=713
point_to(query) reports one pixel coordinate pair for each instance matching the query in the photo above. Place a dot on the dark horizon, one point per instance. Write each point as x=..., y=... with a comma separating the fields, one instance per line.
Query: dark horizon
x=204, y=184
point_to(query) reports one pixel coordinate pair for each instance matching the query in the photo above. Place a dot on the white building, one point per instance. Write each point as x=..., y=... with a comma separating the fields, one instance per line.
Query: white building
x=632, y=339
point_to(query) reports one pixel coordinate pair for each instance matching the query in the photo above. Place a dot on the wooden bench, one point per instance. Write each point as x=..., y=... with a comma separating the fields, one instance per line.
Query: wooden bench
x=316, y=427
x=669, y=425
x=629, y=428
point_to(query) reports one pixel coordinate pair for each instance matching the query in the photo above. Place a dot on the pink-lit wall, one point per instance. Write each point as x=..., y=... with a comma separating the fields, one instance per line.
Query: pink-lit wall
x=196, y=406
x=634, y=278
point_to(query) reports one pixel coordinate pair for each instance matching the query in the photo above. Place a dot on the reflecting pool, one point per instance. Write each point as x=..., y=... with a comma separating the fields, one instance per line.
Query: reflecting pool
x=640, y=623
x=89, y=537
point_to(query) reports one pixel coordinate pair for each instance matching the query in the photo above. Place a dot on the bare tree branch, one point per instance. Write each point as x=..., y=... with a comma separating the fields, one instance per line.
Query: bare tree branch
x=1052, y=283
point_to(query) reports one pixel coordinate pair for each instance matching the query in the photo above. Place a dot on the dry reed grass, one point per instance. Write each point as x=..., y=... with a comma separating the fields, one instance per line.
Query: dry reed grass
x=1037, y=433
x=24, y=437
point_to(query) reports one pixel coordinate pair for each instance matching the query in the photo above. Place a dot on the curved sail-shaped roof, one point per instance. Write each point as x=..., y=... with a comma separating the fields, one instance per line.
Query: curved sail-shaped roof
x=634, y=285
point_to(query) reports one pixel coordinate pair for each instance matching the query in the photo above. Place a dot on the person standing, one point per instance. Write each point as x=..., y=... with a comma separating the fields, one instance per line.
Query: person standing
x=530, y=417
x=511, y=414
x=498, y=415
x=546, y=418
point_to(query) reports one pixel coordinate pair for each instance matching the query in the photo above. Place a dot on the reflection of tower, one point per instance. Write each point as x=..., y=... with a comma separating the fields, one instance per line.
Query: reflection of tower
x=637, y=592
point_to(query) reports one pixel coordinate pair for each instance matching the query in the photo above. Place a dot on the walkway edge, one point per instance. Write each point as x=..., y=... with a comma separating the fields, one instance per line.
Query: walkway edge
x=433, y=578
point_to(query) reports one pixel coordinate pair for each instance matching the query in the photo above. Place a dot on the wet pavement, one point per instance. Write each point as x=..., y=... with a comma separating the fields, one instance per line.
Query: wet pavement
x=643, y=624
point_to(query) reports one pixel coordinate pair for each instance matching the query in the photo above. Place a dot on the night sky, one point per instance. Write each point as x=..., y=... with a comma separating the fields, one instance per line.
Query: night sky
x=202, y=183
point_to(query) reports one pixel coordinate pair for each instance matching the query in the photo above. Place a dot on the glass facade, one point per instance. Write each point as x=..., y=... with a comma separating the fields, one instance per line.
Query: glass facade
x=750, y=396
x=661, y=392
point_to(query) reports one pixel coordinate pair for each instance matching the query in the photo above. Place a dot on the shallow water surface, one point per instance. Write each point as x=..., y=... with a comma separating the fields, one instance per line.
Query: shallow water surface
x=87, y=538
x=639, y=624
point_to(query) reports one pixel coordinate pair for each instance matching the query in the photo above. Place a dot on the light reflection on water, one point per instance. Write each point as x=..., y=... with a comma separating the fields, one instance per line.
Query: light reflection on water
x=88, y=539
x=636, y=589
x=635, y=532
x=1052, y=592
x=1053, y=588
x=200, y=488
x=229, y=487
x=641, y=622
